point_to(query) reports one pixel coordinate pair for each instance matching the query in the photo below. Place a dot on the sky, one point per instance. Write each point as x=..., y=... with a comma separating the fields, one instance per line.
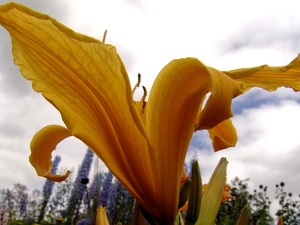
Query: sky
x=148, y=34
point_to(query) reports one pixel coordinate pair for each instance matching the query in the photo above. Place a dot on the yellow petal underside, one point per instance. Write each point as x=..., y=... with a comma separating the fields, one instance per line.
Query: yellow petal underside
x=171, y=111
x=87, y=82
x=42, y=145
x=223, y=135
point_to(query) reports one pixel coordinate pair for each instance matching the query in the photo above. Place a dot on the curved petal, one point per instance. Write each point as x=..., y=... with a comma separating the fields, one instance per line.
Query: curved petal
x=269, y=78
x=172, y=108
x=42, y=145
x=218, y=106
x=87, y=82
x=223, y=135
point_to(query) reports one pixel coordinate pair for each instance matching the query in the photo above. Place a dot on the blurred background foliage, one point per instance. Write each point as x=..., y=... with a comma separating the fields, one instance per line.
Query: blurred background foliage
x=75, y=201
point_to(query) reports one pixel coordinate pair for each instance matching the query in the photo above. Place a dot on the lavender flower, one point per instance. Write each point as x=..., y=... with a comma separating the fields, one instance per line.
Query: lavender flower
x=33, y=206
x=57, y=206
x=83, y=173
x=20, y=197
x=48, y=186
x=85, y=221
x=7, y=200
x=112, y=208
x=47, y=189
x=120, y=204
x=3, y=217
x=95, y=189
x=79, y=188
x=23, y=205
x=107, y=186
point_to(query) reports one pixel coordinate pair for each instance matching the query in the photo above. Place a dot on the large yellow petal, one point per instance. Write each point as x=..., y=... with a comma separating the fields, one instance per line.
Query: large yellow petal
x=172, y=108
x=269, y=78
x=87, y=82
x=42, y=145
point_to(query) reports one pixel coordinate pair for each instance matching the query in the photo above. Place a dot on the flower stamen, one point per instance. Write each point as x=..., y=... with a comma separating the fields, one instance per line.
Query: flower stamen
x=143, y=98
x=137, y=83
x=104, y=36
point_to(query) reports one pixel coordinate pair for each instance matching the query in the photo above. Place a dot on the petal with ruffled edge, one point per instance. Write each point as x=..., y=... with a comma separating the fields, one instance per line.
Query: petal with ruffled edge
x=42, y=145
x=269, y=78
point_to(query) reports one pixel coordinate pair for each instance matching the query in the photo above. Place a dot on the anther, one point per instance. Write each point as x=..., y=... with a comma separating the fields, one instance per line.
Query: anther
x=104, y=36
x=137, y=83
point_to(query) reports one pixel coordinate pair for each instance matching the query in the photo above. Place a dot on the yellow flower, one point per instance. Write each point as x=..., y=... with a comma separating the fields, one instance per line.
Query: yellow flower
x=226, y=195
x=143, y=144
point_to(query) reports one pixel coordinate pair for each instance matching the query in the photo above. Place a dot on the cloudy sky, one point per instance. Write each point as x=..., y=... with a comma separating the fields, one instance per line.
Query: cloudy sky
x=148, y=35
